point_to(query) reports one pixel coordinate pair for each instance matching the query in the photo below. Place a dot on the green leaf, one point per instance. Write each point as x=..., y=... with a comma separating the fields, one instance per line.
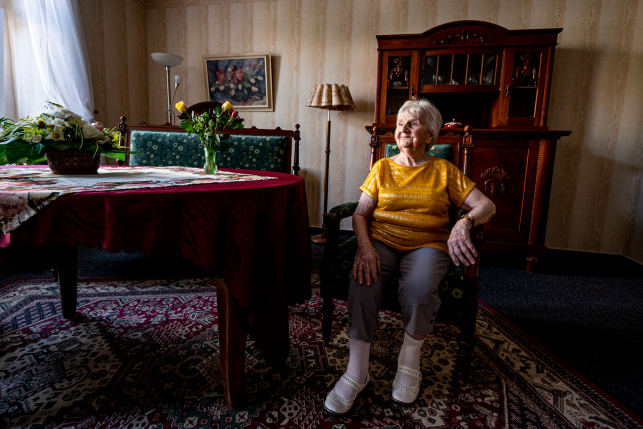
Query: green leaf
x=17, y=149
x=224, y=146
x=63, y=145
x=116, y=155
x=225, y=137
x=53, y=104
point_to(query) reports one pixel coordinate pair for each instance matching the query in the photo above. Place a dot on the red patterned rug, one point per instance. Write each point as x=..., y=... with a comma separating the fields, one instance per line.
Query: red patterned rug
x=145, y=354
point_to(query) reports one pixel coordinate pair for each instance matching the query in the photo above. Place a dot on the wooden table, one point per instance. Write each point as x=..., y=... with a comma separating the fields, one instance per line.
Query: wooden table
x=253, y=235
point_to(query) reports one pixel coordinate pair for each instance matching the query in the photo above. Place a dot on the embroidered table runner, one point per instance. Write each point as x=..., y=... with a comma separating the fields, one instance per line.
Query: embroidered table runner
x=26, y=191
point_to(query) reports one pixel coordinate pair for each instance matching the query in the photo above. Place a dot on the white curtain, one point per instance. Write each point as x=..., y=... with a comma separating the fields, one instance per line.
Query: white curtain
x=49, y=56
x=2, y=60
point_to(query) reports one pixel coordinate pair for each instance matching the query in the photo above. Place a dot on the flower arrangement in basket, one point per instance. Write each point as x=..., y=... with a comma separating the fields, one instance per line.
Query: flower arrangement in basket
x=55, y=134
x=210, y=130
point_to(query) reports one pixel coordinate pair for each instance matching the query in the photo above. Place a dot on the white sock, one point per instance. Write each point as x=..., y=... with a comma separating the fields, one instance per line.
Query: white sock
x=409, y=357
x=357, y=367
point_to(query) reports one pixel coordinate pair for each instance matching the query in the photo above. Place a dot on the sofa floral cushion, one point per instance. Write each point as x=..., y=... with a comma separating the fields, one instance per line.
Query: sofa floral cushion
x=440, y=150
x=267, y=153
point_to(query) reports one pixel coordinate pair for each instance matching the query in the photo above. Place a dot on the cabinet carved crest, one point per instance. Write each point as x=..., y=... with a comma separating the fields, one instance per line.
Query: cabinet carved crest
x=495, y=179
x=463, y=37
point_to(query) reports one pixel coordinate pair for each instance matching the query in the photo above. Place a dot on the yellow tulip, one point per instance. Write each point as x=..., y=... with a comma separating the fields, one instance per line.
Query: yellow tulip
x=180, y=106
x=226, y=106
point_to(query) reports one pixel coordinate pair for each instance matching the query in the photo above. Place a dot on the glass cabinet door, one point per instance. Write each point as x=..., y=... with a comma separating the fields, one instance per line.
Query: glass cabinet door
x=399, y=82
x=443, y=69
x=523, y=85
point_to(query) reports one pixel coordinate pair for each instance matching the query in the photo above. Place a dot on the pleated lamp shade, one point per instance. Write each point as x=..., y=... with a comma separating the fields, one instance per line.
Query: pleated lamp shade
x=332, y=97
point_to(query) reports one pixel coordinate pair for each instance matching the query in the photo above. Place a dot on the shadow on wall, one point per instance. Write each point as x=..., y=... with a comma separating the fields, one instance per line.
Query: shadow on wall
x=276, y=66
x=313, y=192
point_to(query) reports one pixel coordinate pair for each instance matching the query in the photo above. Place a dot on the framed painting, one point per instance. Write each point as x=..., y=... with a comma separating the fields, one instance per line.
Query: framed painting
x=245, y=80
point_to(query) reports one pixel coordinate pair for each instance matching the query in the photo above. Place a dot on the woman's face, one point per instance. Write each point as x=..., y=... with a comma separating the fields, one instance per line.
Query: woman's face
x=410, y=133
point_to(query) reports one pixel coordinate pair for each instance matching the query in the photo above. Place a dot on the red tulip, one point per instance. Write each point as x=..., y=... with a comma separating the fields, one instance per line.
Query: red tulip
x=234, y=113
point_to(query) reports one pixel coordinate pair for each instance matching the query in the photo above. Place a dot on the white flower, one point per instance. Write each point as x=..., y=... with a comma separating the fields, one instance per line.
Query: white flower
x=239, y=86
x=36, y=138
x=90, y=132
x=212, y=89
x=58, y=128
x=232, y=85
x=77, y=121
x=260, y=77
x=221, y=87
x=232, y=92
x=255, y=89
x=54, y=135
x=252, y=81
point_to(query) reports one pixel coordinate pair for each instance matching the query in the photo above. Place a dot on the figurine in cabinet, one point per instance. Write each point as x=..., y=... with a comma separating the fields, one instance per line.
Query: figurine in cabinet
x=526, y=73
x=395, y=78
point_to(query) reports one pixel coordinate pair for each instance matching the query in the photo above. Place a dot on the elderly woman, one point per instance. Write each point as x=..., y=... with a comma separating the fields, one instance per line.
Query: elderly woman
x=402, y=224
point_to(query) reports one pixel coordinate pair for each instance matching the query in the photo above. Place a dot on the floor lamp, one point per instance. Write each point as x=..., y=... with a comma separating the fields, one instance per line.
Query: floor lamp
x=169, y=60
x=330, y=97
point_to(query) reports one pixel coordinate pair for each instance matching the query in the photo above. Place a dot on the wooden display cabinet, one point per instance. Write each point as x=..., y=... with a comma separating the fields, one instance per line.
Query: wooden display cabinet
x=496, y=81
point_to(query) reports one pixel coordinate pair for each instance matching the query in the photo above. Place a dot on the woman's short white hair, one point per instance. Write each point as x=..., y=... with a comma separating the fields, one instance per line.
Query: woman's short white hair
x=427, y=113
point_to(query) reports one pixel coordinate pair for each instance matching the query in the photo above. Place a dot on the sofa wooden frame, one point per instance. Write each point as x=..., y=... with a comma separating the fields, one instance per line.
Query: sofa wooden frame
x=292, y=135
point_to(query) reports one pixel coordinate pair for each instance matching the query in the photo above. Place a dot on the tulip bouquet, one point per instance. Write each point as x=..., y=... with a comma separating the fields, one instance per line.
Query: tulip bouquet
x=58, y=130
x=210, y=130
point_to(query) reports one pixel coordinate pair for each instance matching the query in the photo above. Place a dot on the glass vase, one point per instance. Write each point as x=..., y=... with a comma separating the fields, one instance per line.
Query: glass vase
x=210, y=166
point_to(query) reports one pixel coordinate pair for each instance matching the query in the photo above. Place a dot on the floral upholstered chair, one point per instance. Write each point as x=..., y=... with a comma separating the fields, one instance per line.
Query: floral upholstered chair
x=458, y=291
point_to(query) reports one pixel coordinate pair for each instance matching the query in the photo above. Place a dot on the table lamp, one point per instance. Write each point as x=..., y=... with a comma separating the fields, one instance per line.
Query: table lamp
x=169, y=60
x=330, y=97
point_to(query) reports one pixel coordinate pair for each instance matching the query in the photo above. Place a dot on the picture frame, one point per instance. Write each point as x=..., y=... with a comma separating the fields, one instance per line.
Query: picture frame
x=245, y=80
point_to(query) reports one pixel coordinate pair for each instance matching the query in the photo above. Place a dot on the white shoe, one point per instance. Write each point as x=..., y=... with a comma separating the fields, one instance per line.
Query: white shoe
x=406, y=395
x=339, y=406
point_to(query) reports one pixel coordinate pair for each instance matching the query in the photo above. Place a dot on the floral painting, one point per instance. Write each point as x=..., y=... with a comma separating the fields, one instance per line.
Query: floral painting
x=243, y=80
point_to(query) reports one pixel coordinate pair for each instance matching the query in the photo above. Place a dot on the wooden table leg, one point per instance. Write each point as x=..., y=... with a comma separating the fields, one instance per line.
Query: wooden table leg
x=67, y=270
x=232, y=341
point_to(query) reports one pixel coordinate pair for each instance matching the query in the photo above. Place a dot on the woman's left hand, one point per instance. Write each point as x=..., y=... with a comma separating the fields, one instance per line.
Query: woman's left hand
x=461, y=248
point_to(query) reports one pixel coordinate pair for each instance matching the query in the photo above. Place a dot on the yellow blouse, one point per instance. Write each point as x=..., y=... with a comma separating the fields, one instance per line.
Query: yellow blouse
x=413, y=202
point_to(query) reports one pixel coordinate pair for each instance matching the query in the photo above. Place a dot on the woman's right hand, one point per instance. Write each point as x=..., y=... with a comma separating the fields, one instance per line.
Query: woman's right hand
x=366, y=265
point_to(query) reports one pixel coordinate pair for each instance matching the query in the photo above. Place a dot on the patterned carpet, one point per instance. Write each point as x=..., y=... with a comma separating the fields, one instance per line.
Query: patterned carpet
x=145, y=354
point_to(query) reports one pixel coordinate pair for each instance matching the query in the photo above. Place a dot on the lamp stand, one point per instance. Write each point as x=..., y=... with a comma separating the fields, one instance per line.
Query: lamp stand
x=170, y=113
x=321, y=239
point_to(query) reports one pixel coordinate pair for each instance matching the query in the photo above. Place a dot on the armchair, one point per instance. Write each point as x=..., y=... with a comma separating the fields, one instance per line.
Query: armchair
x=458, y=291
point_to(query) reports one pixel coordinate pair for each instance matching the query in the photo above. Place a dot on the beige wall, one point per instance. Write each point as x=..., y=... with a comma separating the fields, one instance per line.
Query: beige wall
x=597, y=91
x=116, y=36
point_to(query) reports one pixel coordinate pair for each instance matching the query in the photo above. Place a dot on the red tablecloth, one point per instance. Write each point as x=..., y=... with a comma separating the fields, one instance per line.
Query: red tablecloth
x=254, y=234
